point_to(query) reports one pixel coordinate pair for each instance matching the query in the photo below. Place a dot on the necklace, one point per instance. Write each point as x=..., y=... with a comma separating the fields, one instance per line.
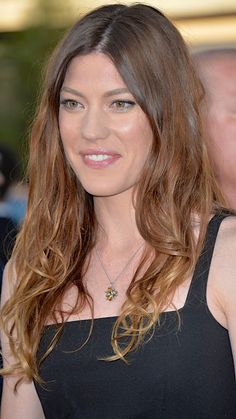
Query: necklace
x=111, y=292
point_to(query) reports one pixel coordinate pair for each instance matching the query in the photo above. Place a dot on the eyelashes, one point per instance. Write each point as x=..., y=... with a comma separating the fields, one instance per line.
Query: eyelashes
x=118, y=105
x=123, y=105
x=71, y=104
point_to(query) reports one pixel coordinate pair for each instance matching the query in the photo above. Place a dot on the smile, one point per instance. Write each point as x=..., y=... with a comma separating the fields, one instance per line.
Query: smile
x=97, y=157
x=96, y=160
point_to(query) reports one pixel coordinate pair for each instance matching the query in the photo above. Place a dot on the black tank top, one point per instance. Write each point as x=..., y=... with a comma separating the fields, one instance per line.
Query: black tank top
x=185, y=373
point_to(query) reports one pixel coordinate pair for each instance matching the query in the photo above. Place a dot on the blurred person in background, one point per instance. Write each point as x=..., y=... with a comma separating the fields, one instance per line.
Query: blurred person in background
x=14, y=193
x=217, y=71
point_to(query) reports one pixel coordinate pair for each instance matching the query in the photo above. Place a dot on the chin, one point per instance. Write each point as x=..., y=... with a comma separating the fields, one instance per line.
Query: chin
x=97, y=190
x=103, y=190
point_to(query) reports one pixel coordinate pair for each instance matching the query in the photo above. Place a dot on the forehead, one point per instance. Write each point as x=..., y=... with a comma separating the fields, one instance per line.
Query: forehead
x=95, y=69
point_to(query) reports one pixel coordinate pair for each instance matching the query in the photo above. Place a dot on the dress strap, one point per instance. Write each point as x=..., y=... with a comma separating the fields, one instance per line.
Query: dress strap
x=197, y=291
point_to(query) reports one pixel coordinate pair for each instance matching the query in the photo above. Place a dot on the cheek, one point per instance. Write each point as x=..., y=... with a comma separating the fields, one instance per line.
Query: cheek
x=145, y=138
x=140, y=146
x=67, y=132
x=143, y=133
x=125, y=127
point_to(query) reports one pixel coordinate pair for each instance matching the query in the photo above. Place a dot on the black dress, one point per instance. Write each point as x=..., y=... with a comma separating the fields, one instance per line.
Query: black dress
x=185, y=373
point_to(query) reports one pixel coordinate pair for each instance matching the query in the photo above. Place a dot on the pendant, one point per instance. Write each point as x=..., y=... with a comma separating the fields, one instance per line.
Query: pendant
x=111, y=293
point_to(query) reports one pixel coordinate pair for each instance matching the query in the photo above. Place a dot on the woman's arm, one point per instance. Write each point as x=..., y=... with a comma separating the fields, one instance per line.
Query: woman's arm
x=25, y=403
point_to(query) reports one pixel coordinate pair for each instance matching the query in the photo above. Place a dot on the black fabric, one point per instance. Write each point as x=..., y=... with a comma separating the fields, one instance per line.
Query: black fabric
x=184, y=373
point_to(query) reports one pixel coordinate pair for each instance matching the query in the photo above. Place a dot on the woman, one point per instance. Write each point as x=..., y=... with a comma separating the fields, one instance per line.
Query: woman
x=113, y=313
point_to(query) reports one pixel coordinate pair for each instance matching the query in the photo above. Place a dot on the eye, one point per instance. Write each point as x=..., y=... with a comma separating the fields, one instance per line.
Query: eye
x=122, y=105
x=71, y=104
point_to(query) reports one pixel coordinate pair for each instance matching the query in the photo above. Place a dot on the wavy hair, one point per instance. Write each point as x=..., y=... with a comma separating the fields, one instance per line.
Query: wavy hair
x=59, y=230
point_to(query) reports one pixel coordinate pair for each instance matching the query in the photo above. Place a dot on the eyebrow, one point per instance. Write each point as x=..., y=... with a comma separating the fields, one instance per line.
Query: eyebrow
x=107, y=94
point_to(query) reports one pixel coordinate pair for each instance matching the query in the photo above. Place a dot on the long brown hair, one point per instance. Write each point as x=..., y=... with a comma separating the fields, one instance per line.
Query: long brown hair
x=60, y=226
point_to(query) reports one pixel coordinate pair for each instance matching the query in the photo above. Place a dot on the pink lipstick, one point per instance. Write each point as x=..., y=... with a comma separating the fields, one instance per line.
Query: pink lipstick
x=98, y=159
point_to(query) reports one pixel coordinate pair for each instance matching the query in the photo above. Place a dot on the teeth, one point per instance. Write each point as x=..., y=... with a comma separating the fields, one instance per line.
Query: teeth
x=97, y=157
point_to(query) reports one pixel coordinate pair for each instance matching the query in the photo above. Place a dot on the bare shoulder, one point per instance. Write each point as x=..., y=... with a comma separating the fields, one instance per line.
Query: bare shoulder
x=228, y=226
x=222, y=280
x=225, y=247
x=223, y=267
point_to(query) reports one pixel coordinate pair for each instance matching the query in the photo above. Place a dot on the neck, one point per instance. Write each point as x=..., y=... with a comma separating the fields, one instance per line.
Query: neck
x=228, y=187
x=116, y=218
x=231, y=197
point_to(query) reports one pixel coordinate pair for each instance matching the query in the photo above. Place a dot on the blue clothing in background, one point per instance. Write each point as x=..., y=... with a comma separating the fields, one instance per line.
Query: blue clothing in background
x=14, y=208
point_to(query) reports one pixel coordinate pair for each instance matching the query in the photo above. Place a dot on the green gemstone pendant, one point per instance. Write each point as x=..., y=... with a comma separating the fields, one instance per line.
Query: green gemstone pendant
x=111, y=293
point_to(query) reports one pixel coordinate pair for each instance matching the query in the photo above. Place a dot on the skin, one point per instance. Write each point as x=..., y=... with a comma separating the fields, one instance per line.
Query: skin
x=119, y=234
x=96, y=118
x=218, y=74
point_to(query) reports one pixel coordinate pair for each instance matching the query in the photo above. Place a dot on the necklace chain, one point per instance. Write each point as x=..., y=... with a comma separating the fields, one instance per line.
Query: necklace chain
x=111, y=291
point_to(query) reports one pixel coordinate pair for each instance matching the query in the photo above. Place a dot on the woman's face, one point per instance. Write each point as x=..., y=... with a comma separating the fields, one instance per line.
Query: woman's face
x=105, y=134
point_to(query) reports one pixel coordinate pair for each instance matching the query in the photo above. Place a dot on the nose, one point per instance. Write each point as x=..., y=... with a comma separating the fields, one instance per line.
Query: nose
x=94, y=125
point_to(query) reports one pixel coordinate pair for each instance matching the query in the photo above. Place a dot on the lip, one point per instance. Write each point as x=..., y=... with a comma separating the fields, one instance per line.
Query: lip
x=113, y=157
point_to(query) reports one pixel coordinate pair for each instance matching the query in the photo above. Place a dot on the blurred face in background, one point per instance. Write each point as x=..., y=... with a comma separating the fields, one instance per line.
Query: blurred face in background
x=218, y=74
